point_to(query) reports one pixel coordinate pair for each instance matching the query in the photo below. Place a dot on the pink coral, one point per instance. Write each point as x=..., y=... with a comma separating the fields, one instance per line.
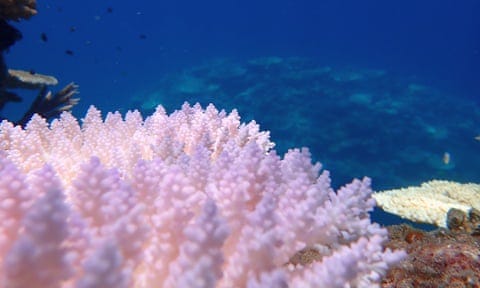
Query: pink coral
x=191, y=199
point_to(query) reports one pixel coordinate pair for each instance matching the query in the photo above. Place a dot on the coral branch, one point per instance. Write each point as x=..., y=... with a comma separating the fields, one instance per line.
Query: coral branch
x=17, y=9
x=50, y=106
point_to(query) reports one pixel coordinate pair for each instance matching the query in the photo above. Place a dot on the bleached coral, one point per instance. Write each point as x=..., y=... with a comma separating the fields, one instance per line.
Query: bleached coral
x=431, y=201
x=191, y=199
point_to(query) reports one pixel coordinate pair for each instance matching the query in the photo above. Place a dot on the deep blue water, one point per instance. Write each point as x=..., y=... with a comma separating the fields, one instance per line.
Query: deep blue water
x=123, y=50
x=438, y=41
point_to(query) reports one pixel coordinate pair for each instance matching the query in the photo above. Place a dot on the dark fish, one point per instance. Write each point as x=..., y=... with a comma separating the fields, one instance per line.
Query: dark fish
x=73, y=28
x=142, y=36
x=32, y=72
x=69, y=52
x=44, y=37
x=109, y=10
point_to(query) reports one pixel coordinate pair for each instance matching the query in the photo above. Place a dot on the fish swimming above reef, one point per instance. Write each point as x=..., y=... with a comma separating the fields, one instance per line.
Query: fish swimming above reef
x=446, y=158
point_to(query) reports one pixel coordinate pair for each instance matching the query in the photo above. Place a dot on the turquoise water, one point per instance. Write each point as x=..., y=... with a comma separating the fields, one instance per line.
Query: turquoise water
x=373, y=88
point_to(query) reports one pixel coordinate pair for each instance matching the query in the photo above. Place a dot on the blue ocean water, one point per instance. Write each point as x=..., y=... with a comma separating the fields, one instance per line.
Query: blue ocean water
x=378, y=88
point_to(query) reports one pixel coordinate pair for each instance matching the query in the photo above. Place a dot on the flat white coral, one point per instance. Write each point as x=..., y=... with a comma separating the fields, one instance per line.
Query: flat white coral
x=191, y=199
x=431, y=201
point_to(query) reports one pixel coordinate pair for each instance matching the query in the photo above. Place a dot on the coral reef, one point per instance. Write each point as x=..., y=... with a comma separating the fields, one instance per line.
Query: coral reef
x=191, y=199
x=358, y=121
x=431, y=201
x=439, y=258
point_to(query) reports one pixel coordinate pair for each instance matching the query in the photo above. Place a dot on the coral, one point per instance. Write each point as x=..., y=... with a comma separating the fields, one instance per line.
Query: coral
x=17, y=9
x=430, y=202
x=459, y=221
x=8, y=36
x=439, y=258
x=408, y=146
x=191, y=199
x=50, y=105
x=46, y=104
x=27, y=80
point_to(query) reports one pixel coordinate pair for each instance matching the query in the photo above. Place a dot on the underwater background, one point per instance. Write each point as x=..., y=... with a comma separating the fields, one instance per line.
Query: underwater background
x=383, y=89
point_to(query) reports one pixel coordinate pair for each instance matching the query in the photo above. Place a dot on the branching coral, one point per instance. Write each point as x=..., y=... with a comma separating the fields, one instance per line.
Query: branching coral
x=46, y=104
x=191, y=199
x=50, y=105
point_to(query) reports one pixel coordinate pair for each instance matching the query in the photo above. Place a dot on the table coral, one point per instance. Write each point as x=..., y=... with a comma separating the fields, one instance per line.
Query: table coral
x=431, y=201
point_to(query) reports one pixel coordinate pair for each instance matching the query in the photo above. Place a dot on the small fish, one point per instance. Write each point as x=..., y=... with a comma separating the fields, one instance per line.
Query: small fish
x=142, y=36
x=477, y=138
x=446, y=158
x=73, y=28
x=109, y=10
x=69, y=52
x=32, y=72
x=44, y=37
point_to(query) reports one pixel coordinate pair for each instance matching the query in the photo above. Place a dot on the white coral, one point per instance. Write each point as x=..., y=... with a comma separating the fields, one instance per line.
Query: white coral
x=192, y=199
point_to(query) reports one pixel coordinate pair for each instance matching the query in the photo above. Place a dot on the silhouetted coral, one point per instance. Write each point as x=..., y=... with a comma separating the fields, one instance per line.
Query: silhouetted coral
x=17, y=9
x=50, y=105
x=6, y=96
x=45, y=104
x=9, y=35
